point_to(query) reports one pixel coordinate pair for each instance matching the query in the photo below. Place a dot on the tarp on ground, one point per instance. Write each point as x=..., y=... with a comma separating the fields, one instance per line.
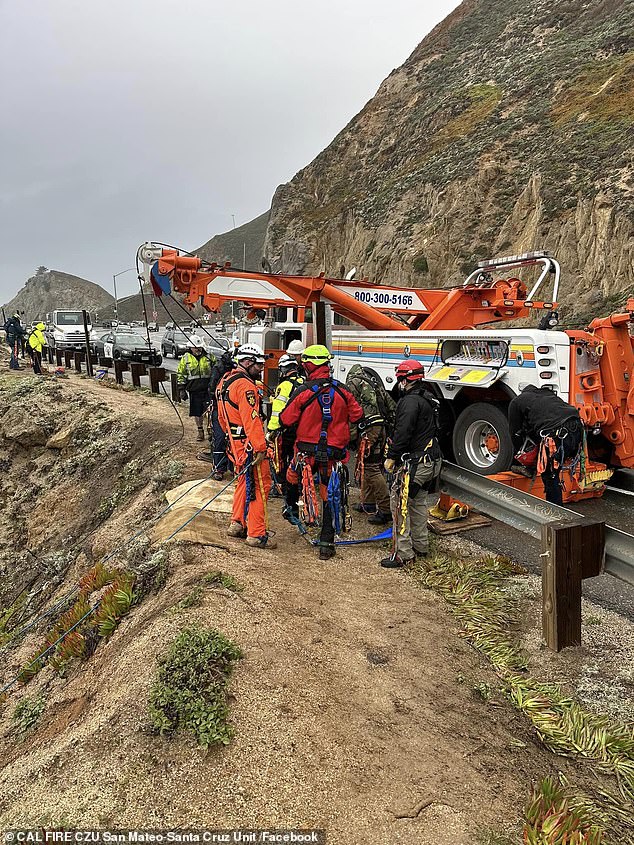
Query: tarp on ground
x=205, y=528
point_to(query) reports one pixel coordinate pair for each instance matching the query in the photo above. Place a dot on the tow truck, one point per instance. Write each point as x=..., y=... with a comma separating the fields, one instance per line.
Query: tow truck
x=474, y=371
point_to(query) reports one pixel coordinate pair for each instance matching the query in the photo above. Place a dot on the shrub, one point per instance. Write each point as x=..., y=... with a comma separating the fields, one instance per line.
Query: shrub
x=190, y=691
x=420, y=263
x=27, y=714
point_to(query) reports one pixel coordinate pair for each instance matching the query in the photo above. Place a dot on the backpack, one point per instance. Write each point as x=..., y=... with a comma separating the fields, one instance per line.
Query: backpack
x=384, y=402
x=435, y=406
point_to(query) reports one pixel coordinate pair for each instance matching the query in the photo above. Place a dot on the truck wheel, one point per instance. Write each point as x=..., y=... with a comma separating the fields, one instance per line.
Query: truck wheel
x=158, y=361
x=481, y=439
x=164, y=351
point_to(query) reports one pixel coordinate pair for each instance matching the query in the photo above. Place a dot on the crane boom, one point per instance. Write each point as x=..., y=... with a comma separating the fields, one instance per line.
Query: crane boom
x=372, y=306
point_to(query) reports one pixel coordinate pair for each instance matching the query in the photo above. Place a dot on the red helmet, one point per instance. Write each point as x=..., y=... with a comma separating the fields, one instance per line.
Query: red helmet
x=410, y=371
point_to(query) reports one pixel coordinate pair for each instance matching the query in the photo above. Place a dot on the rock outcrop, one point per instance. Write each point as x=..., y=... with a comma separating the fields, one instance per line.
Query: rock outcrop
x=52, y=289
x=509, y=128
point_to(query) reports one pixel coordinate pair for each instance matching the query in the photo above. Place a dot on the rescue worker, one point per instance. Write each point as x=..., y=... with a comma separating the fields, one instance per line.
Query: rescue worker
x=371, y=449
x=322, y=410
x=283, y=441
x=14, y=335
x=414, y=452
x=551, y=424
x=217, y=454
x=37, y=342
x=296, y=350
x=193, y=376
x=239, y=412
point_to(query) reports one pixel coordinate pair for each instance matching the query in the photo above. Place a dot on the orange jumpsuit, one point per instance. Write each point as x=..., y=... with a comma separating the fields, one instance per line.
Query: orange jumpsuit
x=239, y=416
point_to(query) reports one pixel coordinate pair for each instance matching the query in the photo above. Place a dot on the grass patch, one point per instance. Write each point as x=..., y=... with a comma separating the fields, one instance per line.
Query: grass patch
x=221, y=579
x=479, y=597
x=190, y=692
x=192, y=599
x=27, y=714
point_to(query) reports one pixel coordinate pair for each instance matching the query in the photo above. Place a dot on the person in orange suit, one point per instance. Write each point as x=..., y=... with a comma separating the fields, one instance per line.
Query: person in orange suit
x=239, y=414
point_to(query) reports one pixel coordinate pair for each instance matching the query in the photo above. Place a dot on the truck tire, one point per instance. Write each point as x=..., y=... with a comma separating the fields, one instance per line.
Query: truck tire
x=158, y=360
x=164, y=351
x=481, y=439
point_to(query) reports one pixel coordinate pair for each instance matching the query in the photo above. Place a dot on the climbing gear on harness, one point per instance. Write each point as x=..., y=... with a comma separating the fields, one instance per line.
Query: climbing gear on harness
x=359, y=470
x=338, y=487
x=308, y=508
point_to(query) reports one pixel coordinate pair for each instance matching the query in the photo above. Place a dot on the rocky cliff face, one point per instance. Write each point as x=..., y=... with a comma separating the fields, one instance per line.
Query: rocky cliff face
x=509, y=128
x=51, y=289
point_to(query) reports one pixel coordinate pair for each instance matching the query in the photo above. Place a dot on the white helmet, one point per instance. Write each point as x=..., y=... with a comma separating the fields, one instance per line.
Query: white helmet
x=195, y=342
x=295, y=347
x=287, y=362
x=250, y=350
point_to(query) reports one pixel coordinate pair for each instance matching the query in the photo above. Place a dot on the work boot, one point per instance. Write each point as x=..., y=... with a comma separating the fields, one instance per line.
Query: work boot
x=380, y=518
x=265, y=542
x=217, y=475
x=201, y=435
x=205, y=456
x=327, y=551
x=395, y=562
x=236, y=529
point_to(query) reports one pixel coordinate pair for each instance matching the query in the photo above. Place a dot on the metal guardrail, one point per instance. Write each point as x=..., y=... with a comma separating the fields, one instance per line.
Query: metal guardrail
x=528, y=513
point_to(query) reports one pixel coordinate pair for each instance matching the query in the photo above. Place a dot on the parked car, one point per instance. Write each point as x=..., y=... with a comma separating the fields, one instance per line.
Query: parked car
x=174, y=343
x=127, y=346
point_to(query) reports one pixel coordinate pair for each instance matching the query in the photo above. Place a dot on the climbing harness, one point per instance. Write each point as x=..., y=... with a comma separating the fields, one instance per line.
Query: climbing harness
x=359, y=471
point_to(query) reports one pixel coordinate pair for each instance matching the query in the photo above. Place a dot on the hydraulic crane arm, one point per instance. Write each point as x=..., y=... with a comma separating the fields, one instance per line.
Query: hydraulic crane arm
x=370, y=305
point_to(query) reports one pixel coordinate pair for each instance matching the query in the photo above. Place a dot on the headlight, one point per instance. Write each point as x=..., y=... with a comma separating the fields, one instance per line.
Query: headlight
x=125, y=352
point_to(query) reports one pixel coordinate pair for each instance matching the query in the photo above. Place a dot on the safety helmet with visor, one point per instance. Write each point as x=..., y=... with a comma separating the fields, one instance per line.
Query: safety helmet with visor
x=410, y=371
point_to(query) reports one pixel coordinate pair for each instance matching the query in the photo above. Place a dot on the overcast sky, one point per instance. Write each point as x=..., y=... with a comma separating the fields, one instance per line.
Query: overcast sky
x=133, y=120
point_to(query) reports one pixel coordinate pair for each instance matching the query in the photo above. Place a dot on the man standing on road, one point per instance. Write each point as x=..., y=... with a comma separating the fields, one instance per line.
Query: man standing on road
x=239, y=412
x=553, y=426
x=414, y=459
x=193, y=376
x=322, y=410
x=378, y=412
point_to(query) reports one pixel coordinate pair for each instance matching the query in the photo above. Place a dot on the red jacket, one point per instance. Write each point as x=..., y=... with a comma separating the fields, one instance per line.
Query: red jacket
x=345, y=409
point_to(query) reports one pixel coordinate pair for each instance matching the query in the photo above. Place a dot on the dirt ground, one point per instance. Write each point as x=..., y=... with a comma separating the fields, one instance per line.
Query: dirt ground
x=354, y=701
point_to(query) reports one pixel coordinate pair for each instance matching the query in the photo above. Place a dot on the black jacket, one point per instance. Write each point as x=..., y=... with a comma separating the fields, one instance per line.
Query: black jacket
x=14, y=329
x=537, y=410
x=222, y=366
x=415, y=426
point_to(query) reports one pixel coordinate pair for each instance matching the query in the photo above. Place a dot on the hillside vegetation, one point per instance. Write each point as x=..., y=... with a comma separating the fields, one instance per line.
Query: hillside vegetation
x=509, y=128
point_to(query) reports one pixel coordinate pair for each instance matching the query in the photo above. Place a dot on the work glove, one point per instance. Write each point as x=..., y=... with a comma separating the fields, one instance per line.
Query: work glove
x=389, y=465
x=182, y=394
x=258, y=458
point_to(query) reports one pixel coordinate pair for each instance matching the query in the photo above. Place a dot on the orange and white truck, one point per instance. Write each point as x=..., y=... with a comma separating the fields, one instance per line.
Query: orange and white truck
x=474, y=367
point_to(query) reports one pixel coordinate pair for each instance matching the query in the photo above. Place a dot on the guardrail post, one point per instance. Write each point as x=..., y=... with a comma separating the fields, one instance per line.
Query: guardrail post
x=79, y=358
x=120, y=367
x=157, y=375
x=571, y=551
x=175, y=391
x=103, y=361
x=137, y=371
x=68, y=357
x=59, y=357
